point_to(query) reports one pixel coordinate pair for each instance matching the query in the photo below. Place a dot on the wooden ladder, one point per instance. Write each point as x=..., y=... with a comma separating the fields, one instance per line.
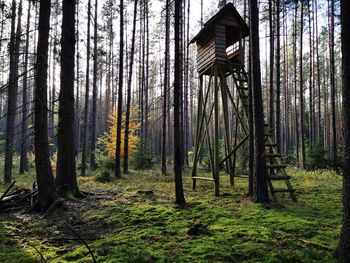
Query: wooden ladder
x=275, y=164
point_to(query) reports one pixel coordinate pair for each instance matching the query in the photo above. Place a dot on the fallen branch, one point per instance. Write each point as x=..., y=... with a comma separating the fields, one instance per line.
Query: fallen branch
x=7, y=190
x=41, y=255
x=82, y=240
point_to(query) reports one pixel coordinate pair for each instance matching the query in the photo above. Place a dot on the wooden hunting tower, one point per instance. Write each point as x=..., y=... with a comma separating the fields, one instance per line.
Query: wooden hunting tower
x=220, y=56
x=220, y=39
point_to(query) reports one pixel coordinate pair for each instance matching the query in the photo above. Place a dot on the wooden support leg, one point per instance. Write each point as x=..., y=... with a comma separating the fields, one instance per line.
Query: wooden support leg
x=227, y=130
x=216, y=134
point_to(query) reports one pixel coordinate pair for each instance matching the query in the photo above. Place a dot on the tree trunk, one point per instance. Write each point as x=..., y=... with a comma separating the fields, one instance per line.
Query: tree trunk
x=77, y=97
x=343, y=249
x=278, y=76
x=166, y=85
x=87, y=90
x=296, y=128
x=120, y=92
x=332, y=79
x=311, y=74
x=128, y=99
x=260, y=193
x=303, y=159
x=94, y=98
x=44, y=176
x=319, y=116
x=24, y=161
x=180, y=199
x=272, y=55
x=66, y=174
x=12, y=92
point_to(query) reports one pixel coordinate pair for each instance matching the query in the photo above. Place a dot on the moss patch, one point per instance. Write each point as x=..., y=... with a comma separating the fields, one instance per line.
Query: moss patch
x=135, y=220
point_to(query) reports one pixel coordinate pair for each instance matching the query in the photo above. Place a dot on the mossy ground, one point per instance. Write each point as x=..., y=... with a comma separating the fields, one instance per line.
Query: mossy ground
x=135, y=220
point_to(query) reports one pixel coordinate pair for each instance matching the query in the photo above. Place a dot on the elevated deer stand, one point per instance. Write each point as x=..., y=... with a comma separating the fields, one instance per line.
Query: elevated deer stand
x=220, y=56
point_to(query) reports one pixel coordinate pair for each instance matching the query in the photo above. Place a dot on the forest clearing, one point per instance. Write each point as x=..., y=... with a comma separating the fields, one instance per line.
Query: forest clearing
x=135, y=220
x=174, y=131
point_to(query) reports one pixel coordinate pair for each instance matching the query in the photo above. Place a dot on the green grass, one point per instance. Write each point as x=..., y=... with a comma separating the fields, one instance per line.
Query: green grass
x=121, y=224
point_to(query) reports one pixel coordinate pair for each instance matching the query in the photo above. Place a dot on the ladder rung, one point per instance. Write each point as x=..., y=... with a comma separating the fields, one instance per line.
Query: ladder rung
x=276, y=166
x=283, y=190
x=276, y=177
x=202, y=178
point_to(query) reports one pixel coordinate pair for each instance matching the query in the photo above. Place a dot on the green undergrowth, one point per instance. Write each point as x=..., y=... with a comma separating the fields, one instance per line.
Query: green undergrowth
x=135, y=220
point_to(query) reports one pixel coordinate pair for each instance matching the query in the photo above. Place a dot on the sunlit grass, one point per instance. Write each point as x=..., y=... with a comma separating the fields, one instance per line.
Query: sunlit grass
x=135, y=220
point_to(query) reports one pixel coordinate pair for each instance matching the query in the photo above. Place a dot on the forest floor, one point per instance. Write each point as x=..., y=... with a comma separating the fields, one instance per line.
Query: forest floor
x=135, y=220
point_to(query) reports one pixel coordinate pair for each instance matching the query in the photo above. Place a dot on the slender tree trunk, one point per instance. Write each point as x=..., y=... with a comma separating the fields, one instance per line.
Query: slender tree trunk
x=51, y=131
x=343, y=249
x=251, y=129
x=24, y=161
x=311, y=97
x=87, y=90
x=180, y=199
x=77, y=97
x=166, y=85
x=302, y=132
x=332, y=79
x=128, y=99
x=319, y=120
x=272, y=56
x=260, y=193
x=120, y=92
x=12, y=89
x=94, y=98
x=296, y=115
x=44, y=176
x=278, y=76
x=146, y=80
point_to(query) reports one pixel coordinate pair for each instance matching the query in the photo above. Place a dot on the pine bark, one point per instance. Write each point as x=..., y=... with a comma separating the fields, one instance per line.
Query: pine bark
x=343, y=249
x=44, y=175
x=179, y=195
x=272, y=56
x=12, y=91
x=128, y=99
x=24, y=160
x=87, y=90
x=94, y=98
x=66, y=170
x=301, y=88
x=332, y=79
x=120, y=92
x=260, y=193
x=166, y=86
x=278, y=76
x=296, y=115
x=77, y=97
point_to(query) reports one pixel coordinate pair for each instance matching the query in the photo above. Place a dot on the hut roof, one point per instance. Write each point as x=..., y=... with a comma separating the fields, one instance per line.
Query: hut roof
x=209, y=27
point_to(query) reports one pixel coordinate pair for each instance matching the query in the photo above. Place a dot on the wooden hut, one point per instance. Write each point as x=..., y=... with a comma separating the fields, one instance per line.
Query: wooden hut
x=222, y=32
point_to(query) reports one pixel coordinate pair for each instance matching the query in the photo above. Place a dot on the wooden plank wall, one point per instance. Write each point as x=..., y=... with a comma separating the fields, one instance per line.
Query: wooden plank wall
x=220, y=43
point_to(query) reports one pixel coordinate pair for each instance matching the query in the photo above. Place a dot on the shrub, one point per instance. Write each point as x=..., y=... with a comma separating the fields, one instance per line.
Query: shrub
x=107, y=141
x=318, y=157
x=143, y=155
x=103, y=177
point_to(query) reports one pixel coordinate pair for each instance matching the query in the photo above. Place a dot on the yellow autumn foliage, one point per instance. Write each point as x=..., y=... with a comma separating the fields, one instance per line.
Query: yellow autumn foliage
x=108, y=142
